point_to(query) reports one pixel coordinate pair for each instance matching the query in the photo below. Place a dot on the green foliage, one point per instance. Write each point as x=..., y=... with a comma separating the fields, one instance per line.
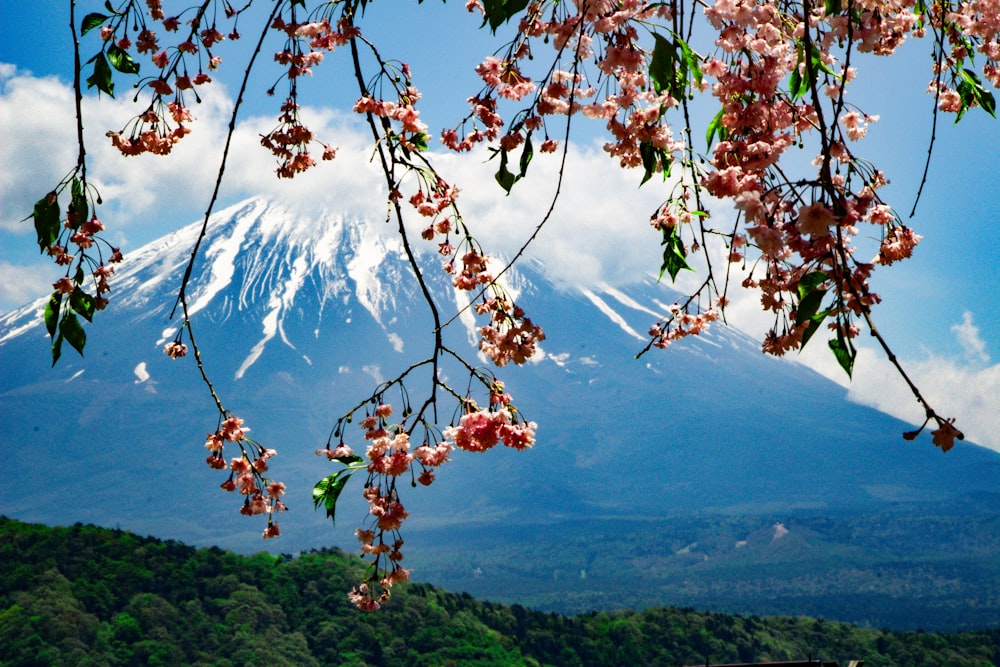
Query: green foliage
x=673, y=66
x=101, y=76
x=327, y=490
x=498, y=12
x=972, y=93
x=798, y=85
x=85, y=595
x=674, y=254
x=810, y=299
x=506, y=178
x=46, y=216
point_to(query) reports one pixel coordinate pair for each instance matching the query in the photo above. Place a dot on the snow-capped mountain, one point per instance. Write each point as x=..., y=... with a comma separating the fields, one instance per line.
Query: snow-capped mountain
x=300, y=319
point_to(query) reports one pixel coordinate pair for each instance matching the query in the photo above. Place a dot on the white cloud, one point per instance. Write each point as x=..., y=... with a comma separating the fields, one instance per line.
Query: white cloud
x=968, y=337
x=22, y=284
x=969, y=392
x=596, y=234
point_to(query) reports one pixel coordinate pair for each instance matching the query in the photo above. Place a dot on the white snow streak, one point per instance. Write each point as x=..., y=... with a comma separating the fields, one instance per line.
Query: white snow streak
x=611, y=314
x=223, y=254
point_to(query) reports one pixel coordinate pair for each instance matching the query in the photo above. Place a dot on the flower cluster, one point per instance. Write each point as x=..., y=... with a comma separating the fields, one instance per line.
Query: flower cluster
x=290, y=140
x=387, y=457
x=604, y=34
x=261, y=495
x=158, y=129
x=479, y=430
x=305, y=46
x=390, y=455
x=679, y=324
x=73, y=241
x=510, y=336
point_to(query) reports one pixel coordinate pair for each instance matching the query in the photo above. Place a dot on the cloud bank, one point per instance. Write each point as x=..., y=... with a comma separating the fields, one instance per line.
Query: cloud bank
x=596, y=233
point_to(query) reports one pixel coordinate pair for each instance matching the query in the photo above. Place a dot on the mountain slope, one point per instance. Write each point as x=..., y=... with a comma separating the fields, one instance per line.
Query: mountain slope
x=299, y=319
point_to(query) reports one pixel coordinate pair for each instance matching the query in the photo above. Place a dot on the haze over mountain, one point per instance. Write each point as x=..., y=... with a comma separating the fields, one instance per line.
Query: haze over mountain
x=300, y=319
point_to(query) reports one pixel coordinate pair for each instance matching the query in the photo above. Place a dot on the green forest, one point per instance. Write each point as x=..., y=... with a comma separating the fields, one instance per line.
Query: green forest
x=84, y=595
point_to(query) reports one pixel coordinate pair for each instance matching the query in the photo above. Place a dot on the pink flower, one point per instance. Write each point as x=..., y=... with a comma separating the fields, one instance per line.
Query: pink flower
x=232, y=429
x=64, y=286
x=815, y=220
x=160, y=87
x=214, y=443
x=944, y=436
x=478, y=431
x=175, y=350
x=271, y=531
x=216, y=462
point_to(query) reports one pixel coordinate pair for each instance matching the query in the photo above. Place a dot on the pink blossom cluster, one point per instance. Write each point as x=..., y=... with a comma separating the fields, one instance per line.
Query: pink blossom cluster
x=152, y=131
x=479, y=430
x=77, y=242
x=261, y=495
x=680, y=324
x=175, y=349
x=412, y=129
x=510, y=336
x=290, y=140
x=605, y=35
x=388, y=457
x=803, y=228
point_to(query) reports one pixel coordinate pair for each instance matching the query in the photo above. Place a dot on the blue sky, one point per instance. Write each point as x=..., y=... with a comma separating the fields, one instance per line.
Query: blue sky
x=939, y=310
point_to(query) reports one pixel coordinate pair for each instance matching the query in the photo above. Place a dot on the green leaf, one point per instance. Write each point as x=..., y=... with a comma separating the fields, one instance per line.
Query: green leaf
x=328, y=489
x=57, y=349
x=78, y=205
x=811, y=281
x=121, y=60
x=663, y=65
x=648, y=154
x=795, y=87
x=651, y=158
x=813, y=327
x=972, y=92
x=46, y=217
x=498, y=12
x=526, y=154
x=91, y=21
x=419, y=141
x=809, y=306
x=52, y=313
x=101, y=76
x=692, y=63
x=833, y=7
x=817, y=61
x=716, y=127
x=82, y=303
x=987, y=102
x=70, y=329
x=674, y=255
x=844, y=351
x=504, y=177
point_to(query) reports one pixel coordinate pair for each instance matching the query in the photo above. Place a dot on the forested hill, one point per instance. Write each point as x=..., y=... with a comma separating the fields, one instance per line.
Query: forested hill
x=92, y=596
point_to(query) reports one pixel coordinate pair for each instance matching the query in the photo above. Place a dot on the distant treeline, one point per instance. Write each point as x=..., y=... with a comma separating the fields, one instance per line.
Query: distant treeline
x=92, y=596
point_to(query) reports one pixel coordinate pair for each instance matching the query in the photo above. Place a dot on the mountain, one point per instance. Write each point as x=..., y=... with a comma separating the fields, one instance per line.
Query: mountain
x=676, y=468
